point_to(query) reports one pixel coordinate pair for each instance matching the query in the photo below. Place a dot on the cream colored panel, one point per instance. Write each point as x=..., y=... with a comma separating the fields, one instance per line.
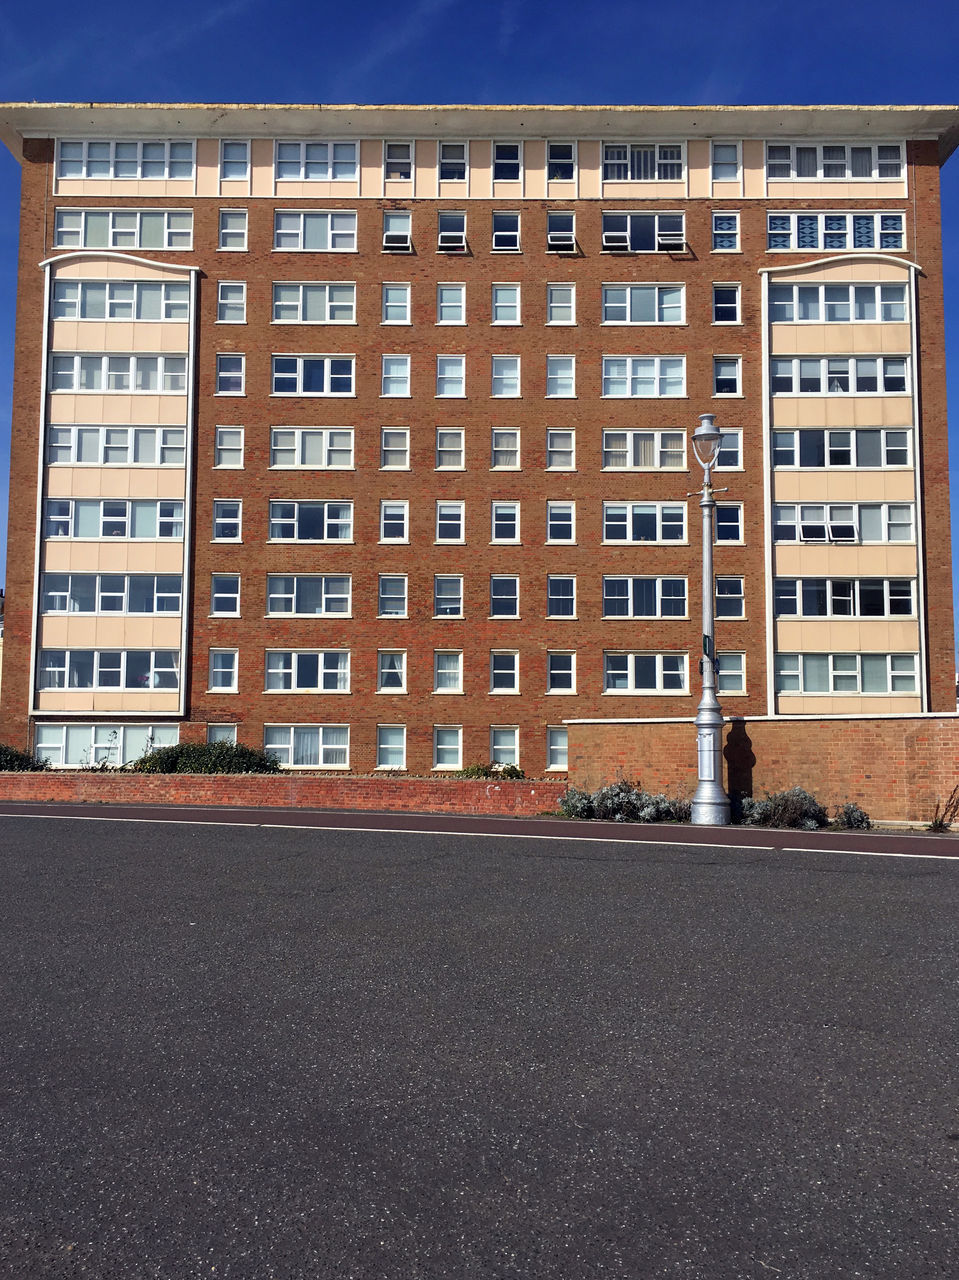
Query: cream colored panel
x=698, y=167
x=426, y=173
x=512, y=191
x=589, y=160
x=62, y=555
x=841, y=411
x=120, y=336
x=286, y=189
x=785, y=189
x=808, y=560
x=534, y=168
x=116, y=482
x=371, y=168
x=398, y=190
x=754, y=168
x=840, y=339
x=847, y=635
x=798, y=705
x=103, y=268
x=844, y=486
x=234, y=189
x=85, y=631
x=117, y=189
x=871, y=272
x=261, y=166
x=480, y=169
x=208, y=167
x=92, y=700
x=453, y=191
x=561, y=191
x=727, y=192
x=65, y=408
x=644, y=191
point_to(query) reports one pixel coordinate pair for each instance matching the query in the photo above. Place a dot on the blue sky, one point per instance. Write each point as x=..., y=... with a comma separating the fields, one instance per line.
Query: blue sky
x=436, y=51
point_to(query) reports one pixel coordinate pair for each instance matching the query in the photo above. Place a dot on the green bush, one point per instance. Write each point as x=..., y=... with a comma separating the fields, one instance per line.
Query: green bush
x=14, y=761
x=491, y=771
x=206, y=757
x=795, y=809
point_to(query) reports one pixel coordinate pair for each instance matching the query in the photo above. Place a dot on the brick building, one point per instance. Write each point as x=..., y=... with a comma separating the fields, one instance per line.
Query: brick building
x=361, y=433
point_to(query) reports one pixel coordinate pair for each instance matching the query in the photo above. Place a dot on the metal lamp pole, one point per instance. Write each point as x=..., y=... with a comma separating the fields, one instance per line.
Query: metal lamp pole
x=710, y=804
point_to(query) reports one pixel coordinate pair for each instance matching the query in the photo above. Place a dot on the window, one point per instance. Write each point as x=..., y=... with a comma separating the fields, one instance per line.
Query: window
x=394, y=449
x=504, y=449
x=726, y=304
x=644, y=450
x=397, y=161
x=504, y=596
x=505, y=380
x=557, y=747
x=447, y=746
x=452, y=161
x=447, y=671
x=725, y=233
x=314, y=303
x=506, y=233
x=856, y=673
x=133, y=669
x=834, y=160
x=839, y=375
x=560, y=450
x=225, y=594
x=451, y=304
x=397, y=231
x=395, y=377
x=119, y=160
x=313, y=375
x=560, y=595
x=644, y=597
x=560, y=304
x=123, y=229
x=560, y=672
x=729, y=522
x=844, y=597
x=843, y=522
x=865, y=447
x=146, y=519
x=450, y=522
x=506, y=161
x=234, y=161
x=644, y=232
x=308, y=595
x=93, y=744
x=316, y=161
x=560, y=231
x=803, y=231
x=120, y=300
x=394, y=521
x=645, y=672
x=505, y=304
x=223, y=670
x=451, y=376
x=231, y=302
x=396, y=304
x=451, y=231
x=308, y=746
x=118, y=373
x=314, y=231
x=221, y=733
x=838, y=303
x=644, y=376
x=642, y=162
x=643, y=304
x=391, y=746
x=505, y=522
x=561, y=377
x=117, y=446
x=726, y=375
x=111, y=593
x=447, y=595
x=730, y=602
x=644, y=522
x=227, y=519
x=308, y=671
x=233, y=230
x=504, y=744
x=560, y=161
x=561, y=522
x=725, y=161
x=731, y=673
x=315, y=448
x=230, y=375
x=311, y=521
x=449, y=449
x=228, y=447
x=391, y=596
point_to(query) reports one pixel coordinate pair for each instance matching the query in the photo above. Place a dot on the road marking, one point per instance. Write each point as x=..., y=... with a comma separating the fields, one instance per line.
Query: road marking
x=878, y=853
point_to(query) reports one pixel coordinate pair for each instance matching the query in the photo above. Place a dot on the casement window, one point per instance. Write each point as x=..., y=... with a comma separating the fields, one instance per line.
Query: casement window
x=560, y=672
x=394, y=449
x=642, y=162
x=391, y=596
x=644, y=376
x=227, y=520
x=557, y=748
x=560, y=231
x=560, y=450
x=504, y=522
x=315, y=231
x=855, y=673
x=730, y=673
x=314, y=303
x=449, y=449
x=315, y=448
x=643, y=304
x=394, y=521
x=644, y=522
x=447, y=746
x=451, y=377
x=863, y=447
x=561, y=161
x=507, y=161
x=225, y=594
x=560, y=377
x=153, y=375
x=313, y=375
x=504, y=449
x=451, y=304
x=223, y=671
x=561, y=522
x=838, y=303
x=395, y=376
x=111, y=593
x=308, y=595
x=725, y=232
x=561, y=595
x=644, y=597
x=725, y=162
x=395, y=304
x=729, y=522
x=228, y=447
x=232, y=234
x=230, y=375
x=451, y=231
x=234, y=161
x=391, y=746
x=505, y=308
x=309, y=521
x=843, y=161
x=308, y=746
x=132, y=669
x=560, y=304
x=729, y=598
x=506, y=233
x=644, y=232
x=117, y=446
x=447, y=671
x=121, y=300
x=221, y=733
x=307, y=670
x=645, y=673
x=726, y=304
x=730, y=456
x=505, y=376
x=504, y=744
x=316, y=161
x=452, y=161
x=447, y=595
x=839, y=375
x=140, y=518
x=726, y=375
x=123, y=229
x=125, y=160
x=843, y=522
x=844, y=597
x=450, y=522
x=644, y=451
x=230, y=302
x=397, y=231
x=397, y=161
x=832, y=231
x=504, y=596
x=73, y=745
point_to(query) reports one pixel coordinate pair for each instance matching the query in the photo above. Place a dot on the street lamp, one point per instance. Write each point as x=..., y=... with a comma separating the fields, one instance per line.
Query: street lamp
x=710, y=803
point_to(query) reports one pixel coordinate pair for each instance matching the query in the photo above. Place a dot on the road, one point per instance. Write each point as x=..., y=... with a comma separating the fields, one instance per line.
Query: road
x=265, y=1054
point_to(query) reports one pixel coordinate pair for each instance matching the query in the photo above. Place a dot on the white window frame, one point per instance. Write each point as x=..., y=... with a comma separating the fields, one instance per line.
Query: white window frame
x=307, y=290
x=884, y=238
x=219, y=591
x=382, y=748
x=714, y=163
x=658, y=290
x=455, y=671
x=632, y=161
x=222, y=445
x=226, y=375
x=725, y=239
x=327, y=377
x=665, y=240
x=444, y=285
x=334, y=663
x=560, y=239
x=391, y=509
x=558, y=378
x=805, y=524
x=327, y=594
x=326, y=749
x=499, y=304
x=728, y=509
x=140, y=160
x=455, y=746
x=552, y=305
x=504, y=577
x=659, y=510
x=659, y=690
x=551, y=689
x=552, y=596
x=661, y=377
x=659, y=588
x=718, y=376
x=395, y=377
x=397, y=231
x=494, y=161
x=387, y=447
x=443, y=447
x=552, y=448
x=505, y=374
x=335, y=514
x=409, y=162
x=738, y=593
x=442, y=378
x=510, y=512
x=572, y=161
x=119, y=235
x=141, y=446
x=453, y=142
x=829, y=448
x=224, y=304
x=506, y=239
x=386, y=305
x=223, y=670
x=735, y=670
x=823, y=302
x=233, y=239
x=305, y=161
x=499, y=736
x=451, y=238
x=839, y=667
x=382, y=596
x=733, y=287
x=553, y=516
x=222, y=517
x=298, y=232
x=854, y=584
x=437, y=597
x=301, y=437
x=447, y=510
x=70, y=300
x=244, y=176
x=557, y=748
x=790, y=161
x=169, y=372
x=851, y=374
x=634, y=441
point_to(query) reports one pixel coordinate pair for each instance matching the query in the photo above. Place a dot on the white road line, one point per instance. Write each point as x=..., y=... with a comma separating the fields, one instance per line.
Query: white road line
x=877, y=853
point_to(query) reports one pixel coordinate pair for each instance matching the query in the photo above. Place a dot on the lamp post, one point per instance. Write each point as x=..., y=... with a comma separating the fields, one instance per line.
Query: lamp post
x=710, y=804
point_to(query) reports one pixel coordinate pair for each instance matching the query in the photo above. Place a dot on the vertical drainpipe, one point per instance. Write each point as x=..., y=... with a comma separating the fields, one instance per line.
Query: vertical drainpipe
x=41, y=459
x=767, y=502
x=189, y=461
x=917, y=482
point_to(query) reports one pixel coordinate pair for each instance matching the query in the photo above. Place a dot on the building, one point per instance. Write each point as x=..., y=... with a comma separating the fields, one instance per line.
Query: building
x=361, y=433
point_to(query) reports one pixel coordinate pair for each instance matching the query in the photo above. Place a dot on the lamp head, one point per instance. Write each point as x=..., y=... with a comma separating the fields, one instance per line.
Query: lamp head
x=706, y=440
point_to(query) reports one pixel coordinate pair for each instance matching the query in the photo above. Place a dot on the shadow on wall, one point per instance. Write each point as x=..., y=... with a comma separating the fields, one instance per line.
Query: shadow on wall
x=740, y=760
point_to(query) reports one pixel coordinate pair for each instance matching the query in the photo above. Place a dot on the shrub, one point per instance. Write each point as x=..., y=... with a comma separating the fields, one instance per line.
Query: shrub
x=618, y=802
x=794, y=808
x=623, y=802
x=849, y=817
x=491, y=770
x=14, y=761
x=577, y=804
x=206, y=757
x=945, y=814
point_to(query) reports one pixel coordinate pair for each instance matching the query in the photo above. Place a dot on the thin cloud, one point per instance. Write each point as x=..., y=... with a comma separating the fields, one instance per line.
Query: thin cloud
x=398, y=41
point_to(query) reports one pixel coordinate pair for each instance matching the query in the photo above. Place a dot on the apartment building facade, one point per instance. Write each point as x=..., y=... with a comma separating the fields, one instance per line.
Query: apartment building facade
x=362, y=433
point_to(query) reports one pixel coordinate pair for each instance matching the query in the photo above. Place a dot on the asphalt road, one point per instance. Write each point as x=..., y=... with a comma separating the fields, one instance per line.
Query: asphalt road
x=273, y=1054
